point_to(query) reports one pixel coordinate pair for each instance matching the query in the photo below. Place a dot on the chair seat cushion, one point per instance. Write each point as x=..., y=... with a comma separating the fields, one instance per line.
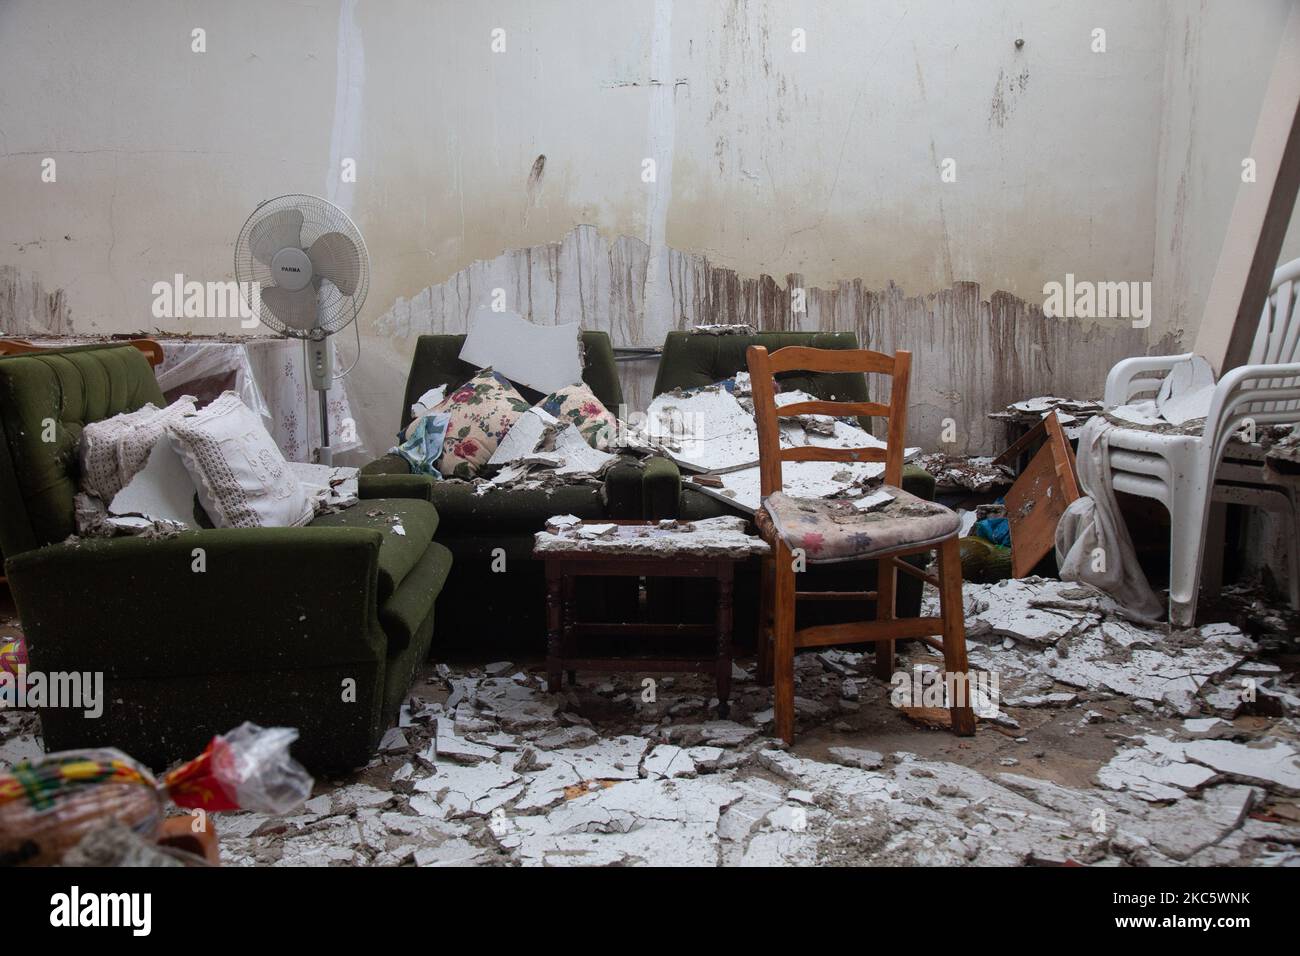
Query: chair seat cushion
x=829, y=530
x=399, y=552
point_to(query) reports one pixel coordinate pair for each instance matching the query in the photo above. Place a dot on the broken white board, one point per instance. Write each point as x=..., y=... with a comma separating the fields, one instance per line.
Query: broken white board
x=542, y=357
x=707, y=430
x=161, y=491
x=576, y=456
x=524, y=437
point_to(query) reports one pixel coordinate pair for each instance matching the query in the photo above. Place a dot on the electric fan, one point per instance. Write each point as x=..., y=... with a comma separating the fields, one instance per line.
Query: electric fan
x=302, y=265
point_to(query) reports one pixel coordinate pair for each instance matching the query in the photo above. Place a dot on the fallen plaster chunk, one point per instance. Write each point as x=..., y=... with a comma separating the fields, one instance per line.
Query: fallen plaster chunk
x=1172, y=677
x=19, y=748
x=543, y=357
x=448, y=746
x=576, y=736
x=1207, y=726
x=1274, y=764
x=162, y=491
x=1157, y=770
x=709, y=537
x=1035, y=611
x=669, y=760
x=716, y=733
x=525, y=437
x=1042, y=700
x=646, y=821
x=856, y=758
x=393, y=739
x=477, y=789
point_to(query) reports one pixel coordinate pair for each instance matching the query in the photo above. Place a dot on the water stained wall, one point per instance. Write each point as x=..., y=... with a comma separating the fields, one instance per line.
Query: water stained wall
x=28, y=308
x=972, y=352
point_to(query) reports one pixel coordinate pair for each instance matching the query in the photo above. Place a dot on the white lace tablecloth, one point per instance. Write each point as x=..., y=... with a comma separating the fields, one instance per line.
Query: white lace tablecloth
x=268, y=374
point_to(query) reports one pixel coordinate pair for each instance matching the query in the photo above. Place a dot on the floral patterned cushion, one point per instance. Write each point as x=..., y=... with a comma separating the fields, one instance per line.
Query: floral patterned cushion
x=830, y=530
x=481, y=412
x=578, y=405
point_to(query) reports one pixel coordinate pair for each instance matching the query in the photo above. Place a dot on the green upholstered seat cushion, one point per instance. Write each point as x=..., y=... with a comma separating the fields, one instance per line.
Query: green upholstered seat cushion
x=53, y=395
x=408, y=607
x=462, y=512
x=437, y=362
x=398, y=553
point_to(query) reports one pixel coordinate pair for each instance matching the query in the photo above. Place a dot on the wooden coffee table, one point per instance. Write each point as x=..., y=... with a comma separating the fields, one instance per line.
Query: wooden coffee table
x=571, y=549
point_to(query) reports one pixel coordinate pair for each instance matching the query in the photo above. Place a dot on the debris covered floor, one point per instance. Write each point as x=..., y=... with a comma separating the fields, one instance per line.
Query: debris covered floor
x=1112, y=744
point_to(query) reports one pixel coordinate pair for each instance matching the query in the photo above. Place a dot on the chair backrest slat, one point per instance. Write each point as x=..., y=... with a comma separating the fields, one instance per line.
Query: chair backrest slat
x=818, y=453
x=762, y=366
x=837, y=409
x=804, y=358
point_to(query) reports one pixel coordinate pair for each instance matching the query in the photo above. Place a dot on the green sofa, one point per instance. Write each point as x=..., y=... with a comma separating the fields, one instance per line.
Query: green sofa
x=693, y=360
x=319, y=628
x=491, y=534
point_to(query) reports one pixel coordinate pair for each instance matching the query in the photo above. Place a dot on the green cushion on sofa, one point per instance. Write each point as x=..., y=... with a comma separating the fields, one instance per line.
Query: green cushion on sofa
x=398, y=553
x=519, y=510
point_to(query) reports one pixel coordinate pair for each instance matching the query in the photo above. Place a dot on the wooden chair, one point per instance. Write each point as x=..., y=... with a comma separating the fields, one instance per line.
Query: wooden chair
x=151, y=349
x=825, y=531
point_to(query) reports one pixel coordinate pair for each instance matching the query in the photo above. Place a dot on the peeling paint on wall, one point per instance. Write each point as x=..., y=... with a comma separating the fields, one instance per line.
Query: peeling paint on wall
x=970, y=355
x=27, y=308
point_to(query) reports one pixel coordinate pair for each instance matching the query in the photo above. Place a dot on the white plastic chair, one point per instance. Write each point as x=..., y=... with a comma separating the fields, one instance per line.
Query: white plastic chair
x=1187, y=472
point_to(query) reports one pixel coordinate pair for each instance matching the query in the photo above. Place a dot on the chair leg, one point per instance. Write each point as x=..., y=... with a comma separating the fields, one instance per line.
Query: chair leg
x=1188, y=508
x=783, y=639
x=766, y=585
x=886, y=576
x=954, y=633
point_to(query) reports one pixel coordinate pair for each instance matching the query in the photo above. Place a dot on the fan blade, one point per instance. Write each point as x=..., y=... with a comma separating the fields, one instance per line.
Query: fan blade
x=268, y=236
x=297, y=310
x=336, y=257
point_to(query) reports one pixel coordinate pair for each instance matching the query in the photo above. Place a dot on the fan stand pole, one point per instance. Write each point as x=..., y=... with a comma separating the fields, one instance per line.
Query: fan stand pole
x=320, y=372
x=326, y=454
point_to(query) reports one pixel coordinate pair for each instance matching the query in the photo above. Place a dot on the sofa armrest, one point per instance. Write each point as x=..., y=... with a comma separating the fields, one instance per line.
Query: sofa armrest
x=387, y=465
x=203, y=602
x=395, y=486
x=917, y=481
x=661, y=489
x=623, y=489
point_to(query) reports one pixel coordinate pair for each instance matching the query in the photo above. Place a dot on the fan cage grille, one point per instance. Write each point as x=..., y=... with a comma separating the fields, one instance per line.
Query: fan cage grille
x=319, y=217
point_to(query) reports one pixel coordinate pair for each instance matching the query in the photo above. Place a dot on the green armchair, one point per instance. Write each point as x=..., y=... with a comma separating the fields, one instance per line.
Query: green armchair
x=491, y=531
x=319, y=628
x=693, y=360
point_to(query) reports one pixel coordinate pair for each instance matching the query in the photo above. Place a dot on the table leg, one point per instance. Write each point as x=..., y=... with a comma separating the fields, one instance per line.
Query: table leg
x=554, y=633
x=570, y=599
x=725, y=578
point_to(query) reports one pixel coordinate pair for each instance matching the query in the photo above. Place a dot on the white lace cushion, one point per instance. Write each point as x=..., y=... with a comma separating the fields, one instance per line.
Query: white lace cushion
x=242, y=479
x=114, y=450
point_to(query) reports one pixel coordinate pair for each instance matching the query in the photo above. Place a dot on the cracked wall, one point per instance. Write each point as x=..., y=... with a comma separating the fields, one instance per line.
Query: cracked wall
x=824, y=164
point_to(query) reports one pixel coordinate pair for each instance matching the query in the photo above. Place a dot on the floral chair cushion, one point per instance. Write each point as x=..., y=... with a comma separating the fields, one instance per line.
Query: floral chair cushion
x=830, y=530
x=578, y=405
x=481, y=412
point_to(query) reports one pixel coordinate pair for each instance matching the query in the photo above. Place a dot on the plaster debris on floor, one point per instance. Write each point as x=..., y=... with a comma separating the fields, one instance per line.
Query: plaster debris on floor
x=1109, y=742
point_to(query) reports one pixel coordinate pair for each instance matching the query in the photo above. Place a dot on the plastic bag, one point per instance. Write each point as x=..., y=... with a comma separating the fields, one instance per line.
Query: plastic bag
x=246, y=769
x=48, y=804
